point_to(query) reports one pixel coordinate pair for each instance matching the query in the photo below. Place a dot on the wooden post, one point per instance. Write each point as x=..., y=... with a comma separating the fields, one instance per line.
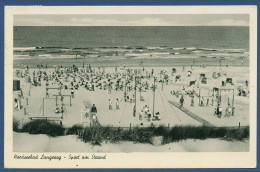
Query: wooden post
x=70, y=100
x=153, y=95
x=27, y=103
x=239, y=125
x=233, y=102
x=140, y=92
x=130, y=126
x=19, y=104
x=24, y=111
x=135, y=95
x=168, y=129
x=62, y=108
x=125, y=87
x=81, y=112
x=219, y=96
x=43, y=107
x=199, y=97
x=56, y=100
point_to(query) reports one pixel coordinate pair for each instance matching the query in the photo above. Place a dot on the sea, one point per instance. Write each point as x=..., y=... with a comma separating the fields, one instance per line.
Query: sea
x=230, y=37
x=172, y=45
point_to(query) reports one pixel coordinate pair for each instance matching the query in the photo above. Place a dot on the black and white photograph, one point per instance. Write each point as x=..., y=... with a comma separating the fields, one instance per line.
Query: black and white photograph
x=131, y=83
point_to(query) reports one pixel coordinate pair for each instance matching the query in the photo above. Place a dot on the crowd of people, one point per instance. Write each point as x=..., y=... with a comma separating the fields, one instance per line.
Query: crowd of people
x=123, y=79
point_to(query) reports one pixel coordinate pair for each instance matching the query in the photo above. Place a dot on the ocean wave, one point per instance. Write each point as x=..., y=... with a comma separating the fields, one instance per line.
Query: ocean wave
x=133, y=51
x=231, y=50
x=190, y=48
x=181, y=48
x=207, y=49
x=44, y=55
x=22, y=55
x=196, y=51
x=24, y=48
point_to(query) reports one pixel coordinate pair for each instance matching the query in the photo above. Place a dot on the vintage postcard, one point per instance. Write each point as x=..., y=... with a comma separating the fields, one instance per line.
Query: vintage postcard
x=130, y=87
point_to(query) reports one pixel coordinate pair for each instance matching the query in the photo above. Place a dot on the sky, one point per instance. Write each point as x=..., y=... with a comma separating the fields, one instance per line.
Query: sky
x=133, y=20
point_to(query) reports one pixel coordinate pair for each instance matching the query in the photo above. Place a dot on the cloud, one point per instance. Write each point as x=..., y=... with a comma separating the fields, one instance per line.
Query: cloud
x=114, y=22
x=129, y=20
x=150, y=22
x=228, y=22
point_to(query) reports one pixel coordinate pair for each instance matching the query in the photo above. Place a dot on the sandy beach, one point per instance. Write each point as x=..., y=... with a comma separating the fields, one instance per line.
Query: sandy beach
x=123, y=117
x=24, y=142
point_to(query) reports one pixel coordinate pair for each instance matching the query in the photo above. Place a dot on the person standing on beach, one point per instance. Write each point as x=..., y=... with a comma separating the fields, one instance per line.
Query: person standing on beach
x=220, y=111
x=117, y=104
x=94, y=118
x=134, y=111
x=93, y=110
x=22, y=93
x=207, y=101
x=110, y=104
x=141, y=115
x=202, y=101
x=181, y=101
x=47, y=93
x=192, y=101
x=72, y=93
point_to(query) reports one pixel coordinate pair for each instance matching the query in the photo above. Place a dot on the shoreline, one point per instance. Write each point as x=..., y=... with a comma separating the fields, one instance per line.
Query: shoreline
x=155, y=62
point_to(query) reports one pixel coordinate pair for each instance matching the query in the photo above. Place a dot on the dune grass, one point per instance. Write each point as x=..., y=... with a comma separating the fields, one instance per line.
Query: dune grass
x=16, y=124
x=97, y=134
x=74, y=130
x=43, y=127
x=178, y=133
